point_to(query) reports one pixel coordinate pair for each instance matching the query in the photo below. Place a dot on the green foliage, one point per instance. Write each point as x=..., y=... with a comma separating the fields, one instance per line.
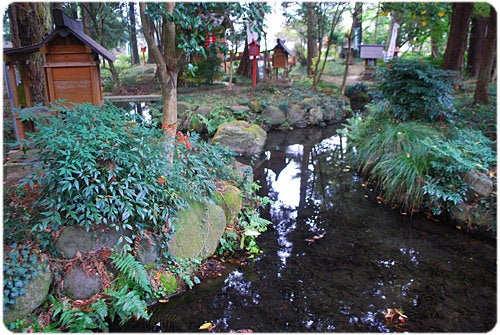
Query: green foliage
x=21, y=263
x=132, y=270
x=249, y=224
x=185, y=268
x=421, y=21
x=464, y=151
x=74, y=320
x=98, y=166
x=207, y=71
x=416, y=91
x=127, y=302
x=413, y=163
x=393, y=157
x=217, y=116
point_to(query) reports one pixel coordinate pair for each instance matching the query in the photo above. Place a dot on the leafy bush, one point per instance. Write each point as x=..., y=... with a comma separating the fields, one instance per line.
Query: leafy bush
x=100, y=167
x=414, y=164
x=20, y=265
x=416, y=90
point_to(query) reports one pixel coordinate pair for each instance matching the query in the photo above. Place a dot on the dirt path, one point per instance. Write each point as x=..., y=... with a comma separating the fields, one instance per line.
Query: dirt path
x=354, y=75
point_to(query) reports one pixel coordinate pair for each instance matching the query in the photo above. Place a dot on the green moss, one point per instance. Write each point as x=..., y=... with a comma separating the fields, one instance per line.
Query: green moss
x=169, y=283
x=198, y=231
x=229, y=198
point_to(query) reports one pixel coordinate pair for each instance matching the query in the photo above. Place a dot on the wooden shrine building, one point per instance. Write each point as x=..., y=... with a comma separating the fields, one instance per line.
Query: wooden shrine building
x=71, y=67
x=280, y=57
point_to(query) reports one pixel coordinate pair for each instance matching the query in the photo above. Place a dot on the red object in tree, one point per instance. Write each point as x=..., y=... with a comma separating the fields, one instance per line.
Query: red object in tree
x=210, y=39
x=143, y=50
x=253, y=49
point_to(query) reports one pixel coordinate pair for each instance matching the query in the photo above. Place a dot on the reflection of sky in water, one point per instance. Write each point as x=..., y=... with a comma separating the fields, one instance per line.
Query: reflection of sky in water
x=284, y=210
x=236, y=285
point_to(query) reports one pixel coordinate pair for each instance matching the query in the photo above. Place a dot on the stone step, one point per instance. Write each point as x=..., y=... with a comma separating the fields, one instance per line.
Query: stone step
x=20, y=156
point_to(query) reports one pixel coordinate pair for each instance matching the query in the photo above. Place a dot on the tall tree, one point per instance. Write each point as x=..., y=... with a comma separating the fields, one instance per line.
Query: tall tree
x=481, y=95
x=134, y=50
x=421, y=24
x=333, y=13
x=108, y=27
x=31, y=22
x=453, y=58
x=255, y=14
x=312, y=36
x=183, y=31
x=479, y=22
x=358, y=21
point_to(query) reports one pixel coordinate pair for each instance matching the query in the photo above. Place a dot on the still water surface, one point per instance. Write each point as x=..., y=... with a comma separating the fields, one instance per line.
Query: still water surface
x=335, y=259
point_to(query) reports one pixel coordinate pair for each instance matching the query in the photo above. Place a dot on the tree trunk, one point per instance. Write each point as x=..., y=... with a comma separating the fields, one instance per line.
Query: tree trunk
x=312, y=44
x=348, y=57
x=166, y=66
x=476, y=44
x=134, y=50
x=453, y=58
x=245, y=67
x=434, y=48
x=481, y=95
x=31, y=22
x=358, y=18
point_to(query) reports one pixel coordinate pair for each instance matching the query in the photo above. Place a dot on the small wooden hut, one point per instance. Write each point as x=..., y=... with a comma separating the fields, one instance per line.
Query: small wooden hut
x=71, y=68
x=280, y=57
x=72, y=62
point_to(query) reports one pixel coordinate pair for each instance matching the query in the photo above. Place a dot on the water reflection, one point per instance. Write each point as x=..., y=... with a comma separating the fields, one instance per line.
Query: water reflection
x=369, y=259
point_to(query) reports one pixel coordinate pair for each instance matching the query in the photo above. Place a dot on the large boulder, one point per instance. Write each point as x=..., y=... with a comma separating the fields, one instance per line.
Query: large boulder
x=197, y=233
x=315, y=116
x=467, y=215
x=274, y=116
x=296, y=115
x=37, y=290
x=229, y=198
x=80, y=285
x=480, y=183
x=242, y=137
x=75, y=239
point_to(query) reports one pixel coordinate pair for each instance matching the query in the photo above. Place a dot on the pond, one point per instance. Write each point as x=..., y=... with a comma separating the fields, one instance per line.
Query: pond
x=338, y=260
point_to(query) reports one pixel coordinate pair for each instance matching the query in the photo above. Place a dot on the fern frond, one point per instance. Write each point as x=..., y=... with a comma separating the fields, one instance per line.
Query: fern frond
x=132, y=269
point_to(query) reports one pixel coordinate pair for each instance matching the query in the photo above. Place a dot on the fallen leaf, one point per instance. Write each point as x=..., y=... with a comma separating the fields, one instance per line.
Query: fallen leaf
x=206, y=325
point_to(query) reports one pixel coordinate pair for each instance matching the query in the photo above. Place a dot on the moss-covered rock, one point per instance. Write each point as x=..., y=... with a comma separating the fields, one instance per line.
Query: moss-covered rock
x=197, y=233
x=256, y=105
x=308, y=103
x=80, y=285
x=274, y=116
x=296, y=114
x=36, y=292
x=242, y=137
x=229, y=198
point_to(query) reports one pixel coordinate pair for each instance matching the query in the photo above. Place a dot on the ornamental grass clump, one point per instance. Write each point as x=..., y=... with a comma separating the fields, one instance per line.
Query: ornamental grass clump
x=415, y=165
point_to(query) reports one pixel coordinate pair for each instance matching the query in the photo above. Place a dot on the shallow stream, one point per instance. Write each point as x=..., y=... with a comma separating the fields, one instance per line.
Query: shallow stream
x=336, y=259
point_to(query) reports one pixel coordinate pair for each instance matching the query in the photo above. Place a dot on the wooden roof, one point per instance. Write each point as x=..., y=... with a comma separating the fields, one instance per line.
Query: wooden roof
x=281, y=45
x=64, y=27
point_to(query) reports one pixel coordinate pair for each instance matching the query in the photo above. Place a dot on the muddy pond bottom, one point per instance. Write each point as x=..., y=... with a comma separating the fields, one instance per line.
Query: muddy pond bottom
x=336, y=260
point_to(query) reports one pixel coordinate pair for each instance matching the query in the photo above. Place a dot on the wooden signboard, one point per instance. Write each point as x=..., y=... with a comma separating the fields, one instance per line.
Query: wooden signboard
x=371, y=51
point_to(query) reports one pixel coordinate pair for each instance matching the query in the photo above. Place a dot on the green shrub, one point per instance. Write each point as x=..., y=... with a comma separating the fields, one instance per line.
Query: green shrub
x=98, y=166
x=416, y=90
x=413, y=163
